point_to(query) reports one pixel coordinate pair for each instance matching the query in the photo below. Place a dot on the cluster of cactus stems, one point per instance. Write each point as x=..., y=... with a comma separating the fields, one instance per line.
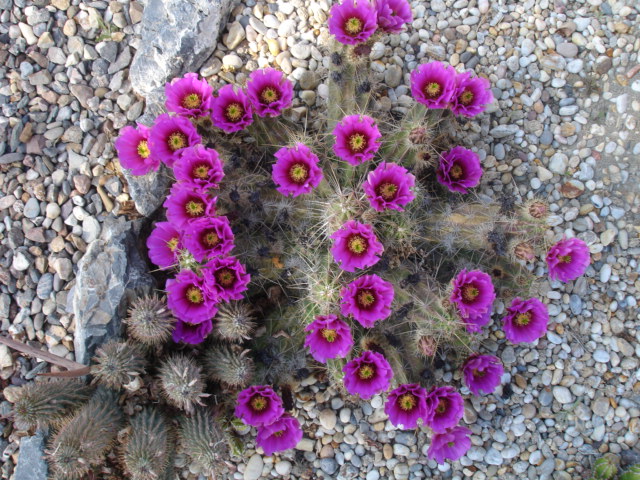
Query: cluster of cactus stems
x=232, y=325
x=607, y=467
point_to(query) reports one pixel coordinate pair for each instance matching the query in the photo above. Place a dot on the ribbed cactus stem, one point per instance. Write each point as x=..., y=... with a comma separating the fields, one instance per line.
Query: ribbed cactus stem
x=203, y=440
x=117, y=364
x=148, y=449
x=182, y=382
x=229, y=365
x=150, y=321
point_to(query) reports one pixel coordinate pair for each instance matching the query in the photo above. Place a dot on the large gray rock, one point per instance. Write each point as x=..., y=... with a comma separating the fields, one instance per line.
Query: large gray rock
x=177, y=36
x=31, y=463
x=111, y=273
x=148, y=191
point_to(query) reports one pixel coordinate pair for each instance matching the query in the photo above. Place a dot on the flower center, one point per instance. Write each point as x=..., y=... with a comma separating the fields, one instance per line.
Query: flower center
x=470, y=293
x=432, y=90
x=200, y=171
x=387, y=190
x=192, y=100
x=176, y=141
x=523, y=319
x=278, y=434
x=259, y=403
x=451, y=444
x=353, y=26
x=269, y=95
x=210, y=238
x=357, y=244
x=365, y=298
x=357, y=142
x=466, y=97
x=407, y=402
x=194, y=208
x=329, y=334
x=366, y=372
x=298, y=173
x=194, y=295
x=478, y=373
x=456, y=171
x=565, y=258
x=234, y=112
x=173, y=244
x=225, y=277
x=442, y=406
x=143, y=149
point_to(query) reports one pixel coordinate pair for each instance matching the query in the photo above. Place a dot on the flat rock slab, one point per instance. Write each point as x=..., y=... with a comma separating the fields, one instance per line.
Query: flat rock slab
x=31, y=463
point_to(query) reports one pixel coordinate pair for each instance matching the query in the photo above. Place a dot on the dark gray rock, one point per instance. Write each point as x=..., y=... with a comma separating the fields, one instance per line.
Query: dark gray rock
x=111, y=274
x=31, y=463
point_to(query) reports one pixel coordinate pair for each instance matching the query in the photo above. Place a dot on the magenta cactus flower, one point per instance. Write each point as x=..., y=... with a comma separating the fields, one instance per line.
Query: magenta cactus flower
x=164, y=244
x=192, y=333
x=406, y=404
x=170, y=136
x=190, y=299
x=445, y=408
x=367, y=375
x=356, y=139
x=355, y=246
x=393, y=14
x=459, y=169
x=259, y=405
x=471, y=96
x=352, y=21
x=232, y=109
x=433, y=84
x=452, y=444
x=270, y=92
x=227, y=277
x=568, y=259
x=389, y=187
x=296, y=170
x=329, y=337
x=473, y=293
x=200, y=168
x=368, y=299
x=526, y=320
x=282, y=434
x=133, y=150
x=208, y=237
x=189, y=96
x=185, y=205
x=482, y=373
x=475, y=323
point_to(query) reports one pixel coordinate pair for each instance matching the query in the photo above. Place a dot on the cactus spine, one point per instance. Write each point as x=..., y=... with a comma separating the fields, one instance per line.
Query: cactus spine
x=229, y=365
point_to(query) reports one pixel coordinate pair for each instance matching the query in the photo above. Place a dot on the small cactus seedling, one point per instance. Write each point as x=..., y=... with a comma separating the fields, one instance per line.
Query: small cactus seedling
x=203, y=440
x=234, y=322
x=45, y=403
x=182, y=382
x=147, y=450
x=150, y=321
x=632, y=473
x=229, y=365
x=117, y=364
x=83, y=441
x=606, y=467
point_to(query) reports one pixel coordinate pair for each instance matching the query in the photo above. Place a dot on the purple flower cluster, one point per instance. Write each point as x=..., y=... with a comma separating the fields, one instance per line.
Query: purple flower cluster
x=354, y=21
x=261, y=407
x=437, y=85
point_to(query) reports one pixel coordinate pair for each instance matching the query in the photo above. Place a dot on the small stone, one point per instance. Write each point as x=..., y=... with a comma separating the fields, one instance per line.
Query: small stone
x=601, y=356
x=235, y=36
x=608, y=236
x=254, y=468
x=328, y=465
x=544, y=174
x=232, y=62
x=493, y=457
x=283, y=467
x=306, y=445
x=63, y=267
x=568, y=50
x=558, y=163
x=20, y=262
x=32, y=208
x=603, y=65
x=502, y=131
x=562, y=394
x=327, y=419
x=400, y=450
x=600, y=406
x=572, y=189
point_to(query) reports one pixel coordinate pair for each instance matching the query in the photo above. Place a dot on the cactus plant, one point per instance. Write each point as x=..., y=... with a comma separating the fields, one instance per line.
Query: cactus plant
x=46, y=403
x=117, y=363
x=202, y=439
x=229, y=365
x=234, y=322
x=606, y=467
x=182, y=382
x=149, y=321
x=632, y=473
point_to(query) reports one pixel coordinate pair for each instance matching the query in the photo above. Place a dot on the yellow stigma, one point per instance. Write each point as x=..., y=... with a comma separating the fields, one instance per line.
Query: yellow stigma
x=143, y=149
x=365, y=298
x=387, y=190
x=432, y=89
x=451, y=444
x=201, y=171
x=269, y=95
x=194, y=208
x=366, y=372
x=191, y=101
x=225, y=277
x=407, y=402
x=259, y=403
x=278, y=434
x=565, y=258
x=478, y=373
x=523, y=319
x=173, y=244
x=357, y=142
x=456, y=172
x=234, y=112
x=442, y=406
x=466, y=97
x=469, y=293
x=194, y=295
x=176, y=141
x=211, y=238
x=329, y=334
x=357, y=244
x=353, y=26
x=298, y=173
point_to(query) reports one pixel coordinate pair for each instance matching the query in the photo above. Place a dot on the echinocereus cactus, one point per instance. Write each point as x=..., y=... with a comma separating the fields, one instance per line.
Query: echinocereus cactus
x=406, y=405
x=149, y=320
x=235, y=322
x=202, y=439
x=450, y=444
x=606, y=467
x=229, y=365
x=117, y=363
x=182, y=382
